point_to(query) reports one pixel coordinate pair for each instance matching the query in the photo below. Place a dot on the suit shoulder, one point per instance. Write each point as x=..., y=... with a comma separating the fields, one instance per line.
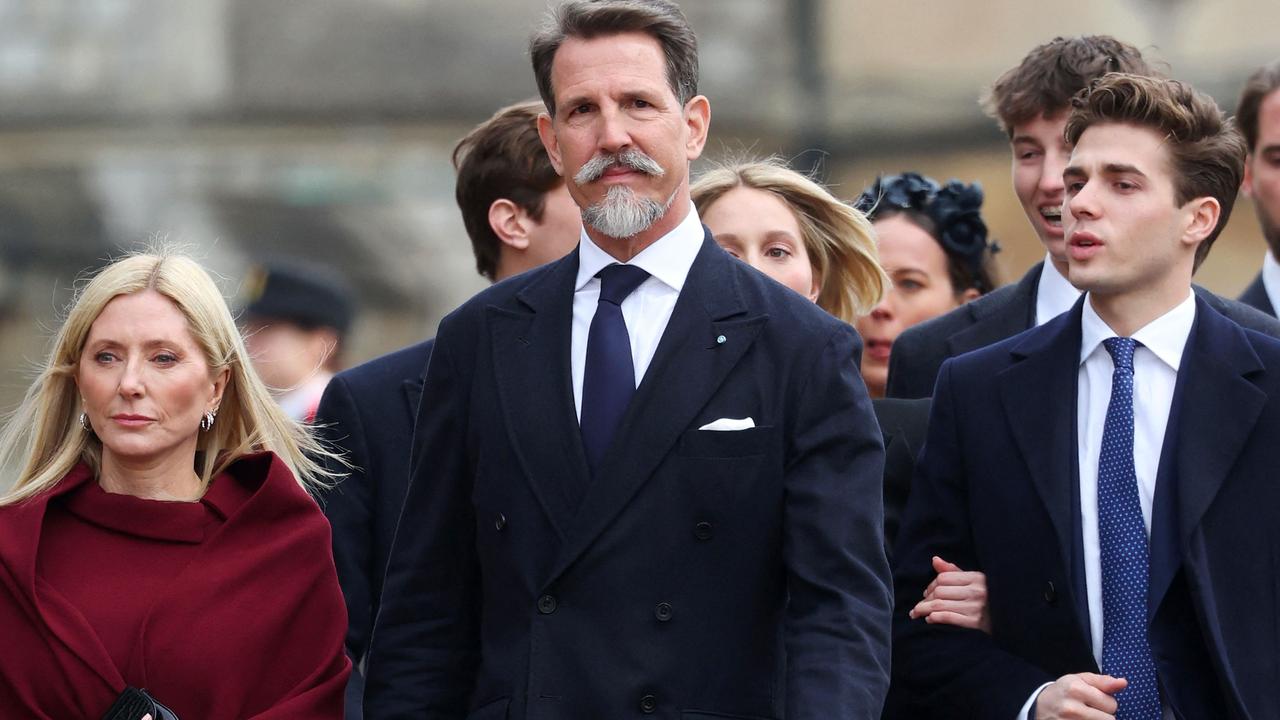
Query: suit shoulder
x=398, y=365
x=1245, y=315
x=930, y=337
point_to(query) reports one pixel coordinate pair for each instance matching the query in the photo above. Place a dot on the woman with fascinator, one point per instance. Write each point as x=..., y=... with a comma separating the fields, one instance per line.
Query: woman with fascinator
x=160, y=556
x=933, y=244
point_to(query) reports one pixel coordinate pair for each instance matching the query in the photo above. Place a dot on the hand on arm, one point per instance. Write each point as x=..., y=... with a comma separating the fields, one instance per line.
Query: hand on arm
x=1085, y=696
x=955, y=597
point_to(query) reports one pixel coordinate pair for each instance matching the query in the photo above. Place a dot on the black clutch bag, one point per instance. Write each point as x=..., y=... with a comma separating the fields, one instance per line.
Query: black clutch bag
x=134, y=704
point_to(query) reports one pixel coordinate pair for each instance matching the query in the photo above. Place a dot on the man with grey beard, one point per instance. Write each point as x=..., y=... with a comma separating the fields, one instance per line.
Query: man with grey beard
x=648, y=482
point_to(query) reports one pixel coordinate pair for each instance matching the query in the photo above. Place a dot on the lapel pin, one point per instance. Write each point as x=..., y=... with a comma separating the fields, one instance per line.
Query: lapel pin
x=720, y=339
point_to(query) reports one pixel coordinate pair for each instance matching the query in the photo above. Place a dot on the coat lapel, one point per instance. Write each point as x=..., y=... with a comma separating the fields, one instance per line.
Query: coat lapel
x=412, y=395
x=687, y=369
x=1218, y=408
x=1039, y=396
x=531, y=362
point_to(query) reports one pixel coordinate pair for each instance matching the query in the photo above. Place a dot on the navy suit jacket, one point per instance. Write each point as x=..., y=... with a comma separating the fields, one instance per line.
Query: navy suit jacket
x=1256, y=296
x=919, y=351
x=367, y=412
x=703, y=574
x=902, y=425
x=997, y=490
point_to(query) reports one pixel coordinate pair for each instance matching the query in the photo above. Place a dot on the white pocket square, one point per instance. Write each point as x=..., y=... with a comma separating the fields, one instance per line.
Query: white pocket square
x=730, y=424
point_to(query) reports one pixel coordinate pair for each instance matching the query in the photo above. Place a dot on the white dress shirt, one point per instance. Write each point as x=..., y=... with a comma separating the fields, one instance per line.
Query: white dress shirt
x=1155, y=375
x=1055, y=294
x=647, y=309
x=1271, y=279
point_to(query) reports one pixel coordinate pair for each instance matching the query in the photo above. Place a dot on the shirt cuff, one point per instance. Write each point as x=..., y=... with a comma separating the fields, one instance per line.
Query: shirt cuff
x=1025, y=713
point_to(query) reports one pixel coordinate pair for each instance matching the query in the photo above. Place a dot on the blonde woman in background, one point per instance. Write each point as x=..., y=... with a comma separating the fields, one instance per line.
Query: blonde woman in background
x=159, y=532
x=795, y=231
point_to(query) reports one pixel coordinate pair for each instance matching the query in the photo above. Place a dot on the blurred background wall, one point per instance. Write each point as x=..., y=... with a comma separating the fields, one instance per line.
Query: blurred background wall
x=252, y=130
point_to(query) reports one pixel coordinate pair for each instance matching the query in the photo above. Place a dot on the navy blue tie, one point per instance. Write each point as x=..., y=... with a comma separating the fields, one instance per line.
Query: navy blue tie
x=609, y=377
x=1122, y=537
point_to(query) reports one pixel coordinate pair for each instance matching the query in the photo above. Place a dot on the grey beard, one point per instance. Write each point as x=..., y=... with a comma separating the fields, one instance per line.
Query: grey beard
x=623, y=214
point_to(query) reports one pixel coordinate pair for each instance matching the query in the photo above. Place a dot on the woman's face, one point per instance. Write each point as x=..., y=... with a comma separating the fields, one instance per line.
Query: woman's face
x=145, y=382
x=921, y=290
x=758, y=228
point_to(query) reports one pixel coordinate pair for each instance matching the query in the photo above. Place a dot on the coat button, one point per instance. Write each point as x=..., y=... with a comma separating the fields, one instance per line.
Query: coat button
x=702, y=530
x=1050, y=593
x=500, y=522
x=648, y=704
x=662, y=612
x=547, y=604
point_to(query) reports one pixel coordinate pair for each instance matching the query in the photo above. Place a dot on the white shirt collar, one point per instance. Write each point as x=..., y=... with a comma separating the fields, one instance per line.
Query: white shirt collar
x=1271, y=279
x=1166, y=336
x=668, y=259
x=1055, y=294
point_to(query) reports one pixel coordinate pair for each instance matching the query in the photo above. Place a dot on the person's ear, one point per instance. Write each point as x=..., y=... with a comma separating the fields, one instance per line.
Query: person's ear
x=697, y=118
x=547, y=132
x=969, y=295
x=1247, y=185
x=1202, y=215
x=219, y=387
x=816, y=290
x=510, y=223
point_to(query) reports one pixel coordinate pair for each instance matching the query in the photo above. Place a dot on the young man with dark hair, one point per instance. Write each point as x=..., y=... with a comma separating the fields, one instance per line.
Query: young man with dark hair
x=648, y=478
x=516, y=209
x=518, y=216
x=1111, y=471
x=1258, y=115
x=1030, y=102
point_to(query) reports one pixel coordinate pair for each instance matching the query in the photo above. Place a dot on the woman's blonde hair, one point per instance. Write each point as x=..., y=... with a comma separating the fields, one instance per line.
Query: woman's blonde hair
x=44, y=439
x=838, y=239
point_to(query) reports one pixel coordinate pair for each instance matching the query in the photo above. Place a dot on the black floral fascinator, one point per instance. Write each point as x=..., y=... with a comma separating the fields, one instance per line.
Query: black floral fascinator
x=955, y=209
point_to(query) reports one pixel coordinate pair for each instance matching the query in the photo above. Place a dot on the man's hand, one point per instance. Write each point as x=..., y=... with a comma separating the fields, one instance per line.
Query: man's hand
x=1080, y=697
x=955, y=597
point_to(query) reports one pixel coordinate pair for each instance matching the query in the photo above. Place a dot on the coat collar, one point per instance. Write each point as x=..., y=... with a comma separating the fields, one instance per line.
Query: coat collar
x=999, y=316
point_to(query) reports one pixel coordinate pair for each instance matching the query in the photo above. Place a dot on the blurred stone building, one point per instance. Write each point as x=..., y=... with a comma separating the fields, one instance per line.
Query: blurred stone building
x=267, y=129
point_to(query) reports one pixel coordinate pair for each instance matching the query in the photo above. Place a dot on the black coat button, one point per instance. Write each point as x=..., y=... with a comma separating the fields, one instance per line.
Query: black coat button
x=702, y=530
x=547, y=604
x=500, y=522
x=648, y=704
x=1050, y=593
x=662, y=612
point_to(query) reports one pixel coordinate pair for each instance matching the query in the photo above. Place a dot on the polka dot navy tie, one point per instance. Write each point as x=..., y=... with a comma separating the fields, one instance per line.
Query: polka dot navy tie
x=1122, y=538
x=609, y=376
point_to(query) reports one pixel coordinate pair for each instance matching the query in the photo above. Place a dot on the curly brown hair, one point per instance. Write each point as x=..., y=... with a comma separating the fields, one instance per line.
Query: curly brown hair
x=1044, y=82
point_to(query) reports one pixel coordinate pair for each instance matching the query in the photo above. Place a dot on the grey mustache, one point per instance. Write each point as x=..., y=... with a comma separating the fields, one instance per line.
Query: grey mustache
x=631, y=158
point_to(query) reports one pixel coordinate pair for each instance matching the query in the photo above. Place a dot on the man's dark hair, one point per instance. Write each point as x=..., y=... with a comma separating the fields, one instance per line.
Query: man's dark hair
x=1264, y=81
x=586, y=19
x=1206, y=151
x=1045, y=81
x=501, y=158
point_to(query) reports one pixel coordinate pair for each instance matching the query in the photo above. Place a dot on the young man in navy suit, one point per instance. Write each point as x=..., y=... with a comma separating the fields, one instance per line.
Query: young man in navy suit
x=1030, y=102
x=1258, y=114
x=1112, y=471
x=648, y=479
x=518, y=216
